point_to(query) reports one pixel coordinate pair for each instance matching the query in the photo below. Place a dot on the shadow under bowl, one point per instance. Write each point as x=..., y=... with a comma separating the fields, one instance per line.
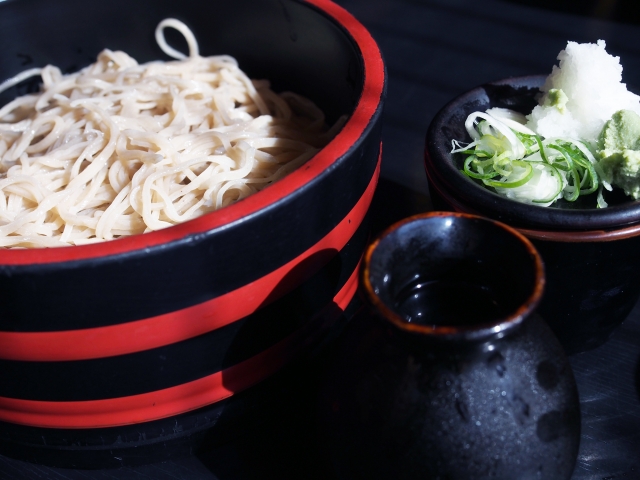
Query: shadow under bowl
x=591, y=255
x=128, y=351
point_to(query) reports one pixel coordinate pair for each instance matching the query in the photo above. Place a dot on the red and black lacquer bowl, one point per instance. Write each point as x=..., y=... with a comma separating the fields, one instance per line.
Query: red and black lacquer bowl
x=114, y=352
x=591, y=255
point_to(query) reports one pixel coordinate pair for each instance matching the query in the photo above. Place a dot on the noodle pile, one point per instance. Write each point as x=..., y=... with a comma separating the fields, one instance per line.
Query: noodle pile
x=121, y=148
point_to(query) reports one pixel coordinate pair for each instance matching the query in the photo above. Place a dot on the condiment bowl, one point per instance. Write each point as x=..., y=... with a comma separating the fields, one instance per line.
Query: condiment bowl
x=130, y=350
x=591, y=255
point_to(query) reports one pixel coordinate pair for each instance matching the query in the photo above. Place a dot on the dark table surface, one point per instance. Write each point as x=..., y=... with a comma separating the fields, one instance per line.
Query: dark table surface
x=435, y=50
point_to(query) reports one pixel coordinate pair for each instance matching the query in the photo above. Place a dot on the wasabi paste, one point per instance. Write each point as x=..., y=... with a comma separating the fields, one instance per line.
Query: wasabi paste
x=619, y=150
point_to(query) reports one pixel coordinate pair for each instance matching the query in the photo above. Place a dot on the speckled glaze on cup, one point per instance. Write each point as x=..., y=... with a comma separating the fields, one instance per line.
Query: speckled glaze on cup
x=591, y=255
x=491, y=398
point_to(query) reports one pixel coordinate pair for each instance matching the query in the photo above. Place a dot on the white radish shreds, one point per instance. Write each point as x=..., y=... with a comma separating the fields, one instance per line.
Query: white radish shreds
x=591, y=80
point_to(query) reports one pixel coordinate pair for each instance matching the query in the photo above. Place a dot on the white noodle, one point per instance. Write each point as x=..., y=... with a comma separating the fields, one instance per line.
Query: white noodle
x=120, y=148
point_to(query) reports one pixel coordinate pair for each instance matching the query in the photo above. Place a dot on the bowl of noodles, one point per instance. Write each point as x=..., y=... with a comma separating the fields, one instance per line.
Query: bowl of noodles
x=183, y=208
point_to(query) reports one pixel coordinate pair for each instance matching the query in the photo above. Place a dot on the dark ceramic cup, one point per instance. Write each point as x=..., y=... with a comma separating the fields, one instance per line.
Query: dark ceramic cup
x=591, y=255
x=448, y=373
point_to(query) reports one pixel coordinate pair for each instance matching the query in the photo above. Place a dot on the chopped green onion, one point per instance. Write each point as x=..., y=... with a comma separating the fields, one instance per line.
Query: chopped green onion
x=551, y=198
x=515, y=183
x=478, y=174
x=504, y=151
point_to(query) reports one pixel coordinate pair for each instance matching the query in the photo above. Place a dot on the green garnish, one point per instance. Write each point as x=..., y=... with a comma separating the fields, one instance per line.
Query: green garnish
x=516, y=162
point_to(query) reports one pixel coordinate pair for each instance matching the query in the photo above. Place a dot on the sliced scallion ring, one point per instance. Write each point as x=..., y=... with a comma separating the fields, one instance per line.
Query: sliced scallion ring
x=515, y=183
x=551, y=198
x=467, y=170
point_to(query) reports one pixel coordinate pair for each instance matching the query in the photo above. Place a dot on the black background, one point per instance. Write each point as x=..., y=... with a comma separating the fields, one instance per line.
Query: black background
x=435, y=50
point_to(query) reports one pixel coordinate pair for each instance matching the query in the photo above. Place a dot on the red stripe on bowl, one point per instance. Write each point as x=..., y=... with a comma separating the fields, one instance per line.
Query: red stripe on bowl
x=182, y=324
x=181, y=398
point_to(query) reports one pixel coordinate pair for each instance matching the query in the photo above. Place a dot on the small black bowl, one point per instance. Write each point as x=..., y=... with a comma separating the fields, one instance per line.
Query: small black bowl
x=591, y=255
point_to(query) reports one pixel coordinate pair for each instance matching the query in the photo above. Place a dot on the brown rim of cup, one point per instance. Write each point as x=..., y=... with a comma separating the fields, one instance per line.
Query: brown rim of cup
x=478, y=332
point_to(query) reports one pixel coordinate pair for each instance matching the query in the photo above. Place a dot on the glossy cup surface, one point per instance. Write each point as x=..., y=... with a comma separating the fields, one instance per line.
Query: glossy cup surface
x=421, y=398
